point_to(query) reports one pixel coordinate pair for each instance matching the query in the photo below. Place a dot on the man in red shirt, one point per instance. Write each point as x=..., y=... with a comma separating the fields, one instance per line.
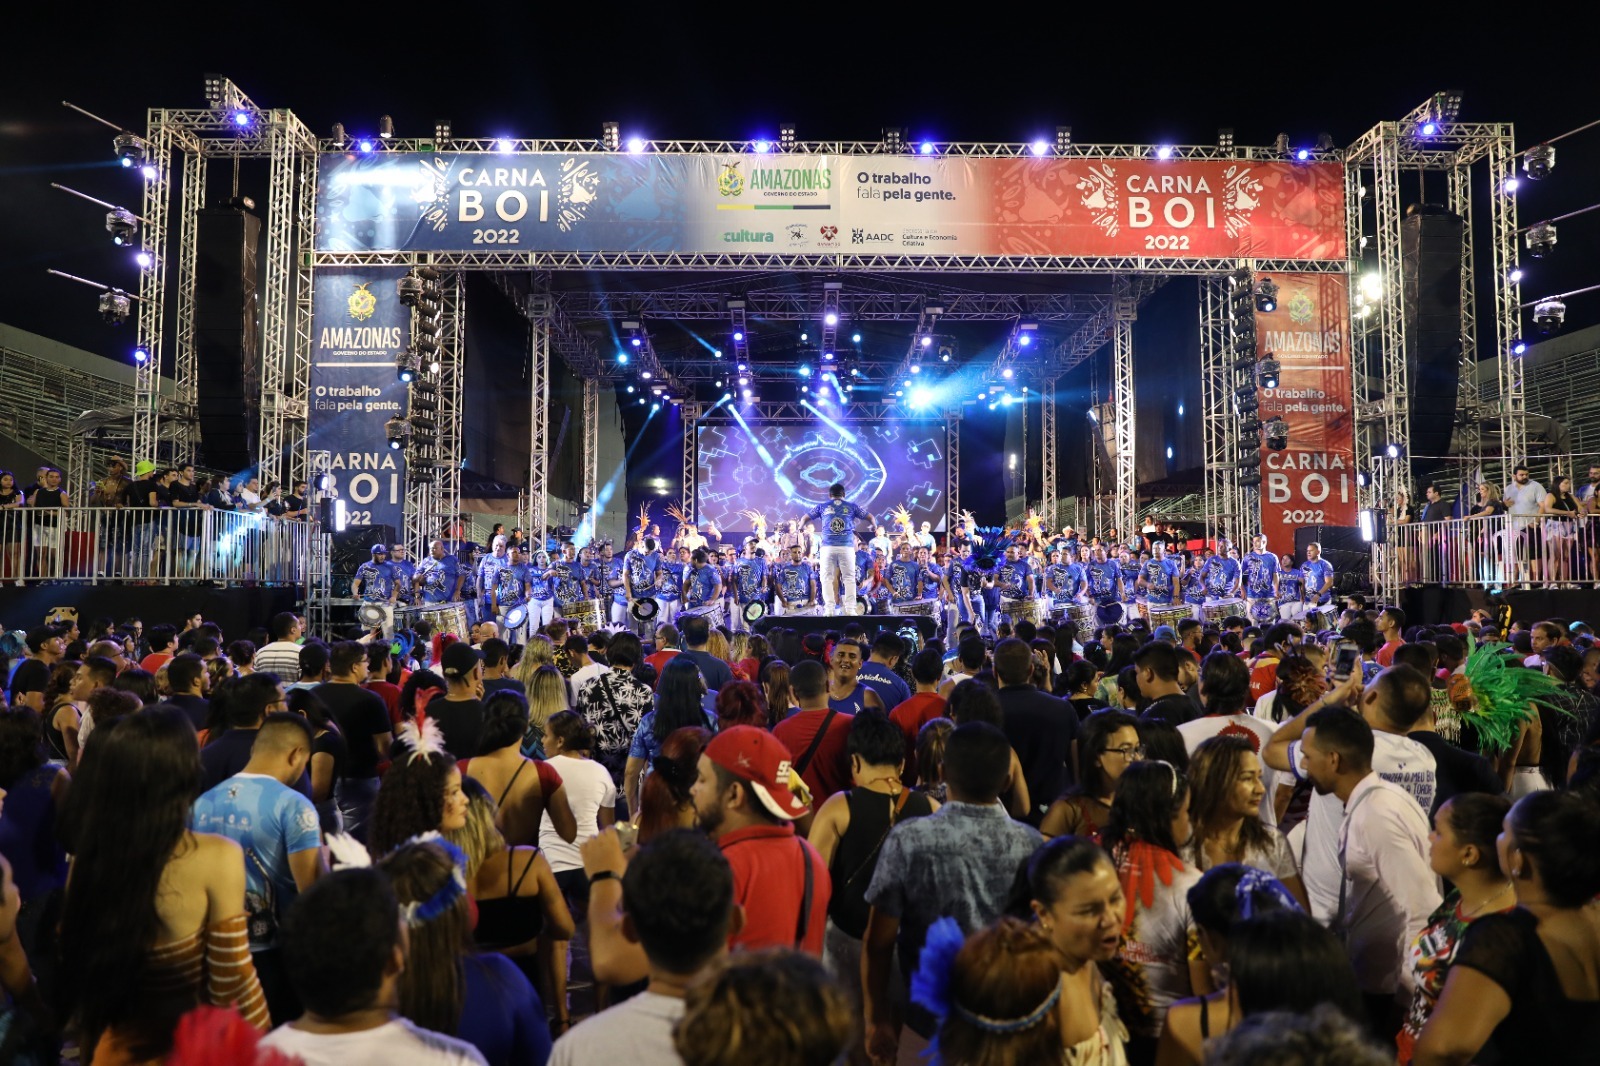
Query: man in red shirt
x=1391, y=620
x=817, y=734
x=163, y=643
x=747, y=799
x=1279, y=640
x=666, y=647
x=923, y=707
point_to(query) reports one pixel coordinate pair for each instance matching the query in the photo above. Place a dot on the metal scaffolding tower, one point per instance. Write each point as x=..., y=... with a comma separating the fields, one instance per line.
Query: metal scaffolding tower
x=1126, y=498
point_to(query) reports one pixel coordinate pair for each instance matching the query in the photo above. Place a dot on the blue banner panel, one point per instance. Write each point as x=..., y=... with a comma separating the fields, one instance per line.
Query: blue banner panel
x=358, y=327
x=783, y=469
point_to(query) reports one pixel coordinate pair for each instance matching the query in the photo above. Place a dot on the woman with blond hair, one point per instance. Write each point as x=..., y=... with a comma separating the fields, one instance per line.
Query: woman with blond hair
x=547, y=694
x=539, y=651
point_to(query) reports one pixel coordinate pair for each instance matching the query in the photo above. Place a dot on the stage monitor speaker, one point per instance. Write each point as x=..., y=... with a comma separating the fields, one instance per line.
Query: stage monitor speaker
x=354, y=547
x=226, y=335
x=872, y=623
x=1431, y=243
x=1343, y=548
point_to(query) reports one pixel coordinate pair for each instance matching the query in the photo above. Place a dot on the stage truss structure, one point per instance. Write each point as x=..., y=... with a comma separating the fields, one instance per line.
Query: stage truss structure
x=1379, y=157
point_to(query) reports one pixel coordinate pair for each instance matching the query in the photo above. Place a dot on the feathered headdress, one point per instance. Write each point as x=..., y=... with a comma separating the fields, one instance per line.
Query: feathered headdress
x=930, y=987
x=209, y=1035
x=1504, y=695
x=644, y=519
x=423, y=736
x=675, y=513
x=903, y=519
x=758, y=521
x=994, y=548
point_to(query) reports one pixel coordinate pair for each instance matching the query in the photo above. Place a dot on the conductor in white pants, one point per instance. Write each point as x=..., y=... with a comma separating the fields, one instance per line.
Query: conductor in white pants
x=837, y=520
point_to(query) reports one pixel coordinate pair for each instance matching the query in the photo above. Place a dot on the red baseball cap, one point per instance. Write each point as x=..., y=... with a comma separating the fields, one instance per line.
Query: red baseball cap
x=761, y=761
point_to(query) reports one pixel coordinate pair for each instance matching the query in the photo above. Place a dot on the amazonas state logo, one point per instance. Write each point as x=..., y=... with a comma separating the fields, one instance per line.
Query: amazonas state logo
x=730, y=182
x=362, y=303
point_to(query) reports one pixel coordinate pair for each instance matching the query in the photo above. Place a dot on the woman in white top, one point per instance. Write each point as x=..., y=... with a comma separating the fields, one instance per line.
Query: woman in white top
x=568, y=741
x=1225, y=776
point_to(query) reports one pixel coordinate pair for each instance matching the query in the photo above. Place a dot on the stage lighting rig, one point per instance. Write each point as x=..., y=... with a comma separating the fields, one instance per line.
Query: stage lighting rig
x=385, y=128
x=1277, y=431
x=340, y=138
x=1280, y=145
x=1063, y=140
x=130, y=149
x=894, y=139
x=1549, y=314
x=610, y=136
x=1244, y=399
x=407, y=365
x=1539, y=161
x=1541, y=238
x=1225, y=138
x=441, y=133
x=396, y=431
x=1268, y=371
x=1266, y=295
x=786, y=139
x=116, y=304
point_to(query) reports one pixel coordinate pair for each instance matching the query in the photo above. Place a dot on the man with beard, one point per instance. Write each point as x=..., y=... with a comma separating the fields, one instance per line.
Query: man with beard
x=438, y=577
x=639, y=567
x=796, y=584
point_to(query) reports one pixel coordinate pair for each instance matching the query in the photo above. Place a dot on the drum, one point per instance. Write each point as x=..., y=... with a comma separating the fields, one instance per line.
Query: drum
x=754, y=611
x=927, y=607
x=1213, y=612
x=711, y=612
x=1263, y=611
x=1019, y=609
x=1083, y=615
x=444, y=617
x=585, y=613
x=1168, y=614
x=643, y=610
x=1320, y=618
x=379, y=616
x=514, y=617
x=1107, y=614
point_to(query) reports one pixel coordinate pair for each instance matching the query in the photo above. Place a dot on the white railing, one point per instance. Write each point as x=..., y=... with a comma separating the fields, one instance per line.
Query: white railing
x=1499, y=550
x=119, y=545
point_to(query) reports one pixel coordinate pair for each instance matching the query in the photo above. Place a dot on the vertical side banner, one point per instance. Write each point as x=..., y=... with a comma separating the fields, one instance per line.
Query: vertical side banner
x=1312, y=482
x=358, y=327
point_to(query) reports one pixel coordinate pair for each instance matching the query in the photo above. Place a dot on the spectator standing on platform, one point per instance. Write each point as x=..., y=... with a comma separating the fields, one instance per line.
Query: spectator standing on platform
x=1524, y=498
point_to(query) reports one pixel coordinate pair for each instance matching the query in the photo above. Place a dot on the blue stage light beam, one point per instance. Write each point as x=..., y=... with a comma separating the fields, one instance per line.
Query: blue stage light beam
x=584, y=534
x=778, y=477
x=843, y=433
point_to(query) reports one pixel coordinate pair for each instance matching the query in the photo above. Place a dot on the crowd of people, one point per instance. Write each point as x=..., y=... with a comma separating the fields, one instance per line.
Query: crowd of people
x=1216, y=841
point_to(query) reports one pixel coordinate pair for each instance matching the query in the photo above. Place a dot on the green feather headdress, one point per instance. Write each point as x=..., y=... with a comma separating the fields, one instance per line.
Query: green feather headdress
x=1504, y=695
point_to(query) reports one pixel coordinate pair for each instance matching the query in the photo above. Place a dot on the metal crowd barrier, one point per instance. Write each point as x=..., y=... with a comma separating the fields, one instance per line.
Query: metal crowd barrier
x=1499, y=550
x=100, y=545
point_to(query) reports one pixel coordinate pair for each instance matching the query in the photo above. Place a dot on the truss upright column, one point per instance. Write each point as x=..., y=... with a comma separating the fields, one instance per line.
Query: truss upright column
x=1507, y=300
x=1127, y=310
x=1468, y=414
x=952, y=471
x=452, y=370
x=152, y=292
x=288, y=141
x=689, y=411
x=298, y=384
x=186, y=366
x=1217, y=420
x=591, y=443
x=1392, y=475
x=1047, y=451
x=539, y=427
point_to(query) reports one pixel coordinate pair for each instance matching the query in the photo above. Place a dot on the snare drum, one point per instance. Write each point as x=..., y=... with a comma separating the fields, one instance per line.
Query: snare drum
x=585, y=613
x=1168, y=614
x=444, y=617
x=1263, y=611
x=1025, y=610
x=1083, y=615
x=923, y=608
x=713, y=613
x=1214, y=611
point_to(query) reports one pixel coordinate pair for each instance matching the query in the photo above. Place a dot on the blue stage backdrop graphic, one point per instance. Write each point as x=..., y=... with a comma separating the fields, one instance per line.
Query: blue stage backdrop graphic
x=358, y=327
x=783, y=469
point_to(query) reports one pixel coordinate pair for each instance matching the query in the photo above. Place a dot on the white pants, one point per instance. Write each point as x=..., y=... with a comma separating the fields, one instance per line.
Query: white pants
x=540, y=614
x=839, y=562
x=618, y=613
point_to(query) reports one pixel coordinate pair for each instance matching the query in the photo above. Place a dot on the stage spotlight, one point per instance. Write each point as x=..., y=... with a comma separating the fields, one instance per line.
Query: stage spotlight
x=831, y=318
x=805, y=371
x=1007, y=400
x=1371, y=287
x=395, y=432
x=899, y=392
x=1249, y=461
x=1024, y=340
x=141, y=354
x=762, y=146
x=610, y=136
x=743, y=380
x=745, y=393
x=645, y=374
x=1394, y=451
x=1519, y=346
x=1324, y=142
x=441, y=132
x=944, y=356
x=1266, y=295
x=1277, y=434
x=655, y=407
x=1008, y=373
x=1280, y=144
x=855, y=372
x=1302, y=154
x=786, y=138
x=406, y=366
x=1063, y=139
x=1250, y=479
x=129, y=149
x=855, y=338
x=738, y=337
x=1094, y=416
x=1541, y=238
x=726, y=397
x=635, y=145
x=1180, y=410
x=916, y=368
x=805, y=388
x=1040, y=148
x=1362, y=478
x=1549, y=314
x=716, y=353
x=1267, y=372
x=1244, y=399
x=144, y=259
x=340, y=138
x=115, y=306
x=385, y=128
x=506, y=145
x=1164, y=151
x=1225, y=138
x=1511, y=184
x=629, y=390
x=637, y=342
x=926, y=148
x=927, y=340
x=827, y=357
x=622, y=358
x=1428, y=128
x=1539, y=161
x=365, y=146
x=242, y=119
x=1169, y=452
x=804, y=337
x=123, y=225
x=893, y=138
x=1515, y=276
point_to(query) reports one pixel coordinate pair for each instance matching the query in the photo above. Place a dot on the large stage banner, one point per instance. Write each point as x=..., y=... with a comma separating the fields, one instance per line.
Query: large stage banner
x=358, y=327
x=847, y=205
x=1312, y=482
x=783, y=469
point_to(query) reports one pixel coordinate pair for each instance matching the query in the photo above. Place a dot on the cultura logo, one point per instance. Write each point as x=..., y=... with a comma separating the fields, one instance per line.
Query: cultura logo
x=730, y=182
x=746, y=236
x=362, y=303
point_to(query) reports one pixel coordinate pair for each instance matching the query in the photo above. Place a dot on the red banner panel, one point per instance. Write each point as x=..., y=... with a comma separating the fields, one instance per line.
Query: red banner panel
x=1312, y=482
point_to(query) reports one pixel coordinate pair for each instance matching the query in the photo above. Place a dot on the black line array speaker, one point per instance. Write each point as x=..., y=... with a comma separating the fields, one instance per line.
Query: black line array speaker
x=227, y=331
x=1431, y=243
x=1343, y=548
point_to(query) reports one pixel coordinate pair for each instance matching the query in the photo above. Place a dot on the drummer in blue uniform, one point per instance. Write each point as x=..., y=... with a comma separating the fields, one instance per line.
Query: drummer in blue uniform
x=1105, y=585
x=405, y=575
x=1194, y=583
x=510, y=593
x=1261, y=582
x=639, y=565
x=795, y=583
x=1318, y=576
x=571, y=580
x=669, y=586
x=1058, y=583
x=541, y=592
x=1132, y=594
x=487, y=580
x=1291, y=607
x=1014, y=579
x=1160, y=577
x=702, y=585
x=609, y=571
x=374, y=580
x=750, y=582
x=905, y=578
x=438, y=577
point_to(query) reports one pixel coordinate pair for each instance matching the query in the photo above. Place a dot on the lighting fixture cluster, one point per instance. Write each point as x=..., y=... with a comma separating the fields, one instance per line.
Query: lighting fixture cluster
x=418, y=367
x=1243, y=302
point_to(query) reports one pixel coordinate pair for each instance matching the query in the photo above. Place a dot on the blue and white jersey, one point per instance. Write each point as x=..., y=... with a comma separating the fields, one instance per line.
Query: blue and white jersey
x=271, y=821
x=932, y=581
x=1077, y=579
x=700, y=585
x=511, y=583
x=751, y=579
x=1289, y=584
x=905, y=579
x=669, y=580
x=438, y=578
x=405, y=571
x=1259, y=570
x=1058, y=580
x=377, y=581
x=572, y=580
x=488, y=567
x=1104, y=581
x=540, y=588
x=1161, y=581
x=836, y=520
x=1130, y=577
x=615, y=571
x=863, y=565
x=641, y=572
x=1318, y=574
x=1014, y=578
x=1194, y=585
x=1221, y=576
x=795, y=581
